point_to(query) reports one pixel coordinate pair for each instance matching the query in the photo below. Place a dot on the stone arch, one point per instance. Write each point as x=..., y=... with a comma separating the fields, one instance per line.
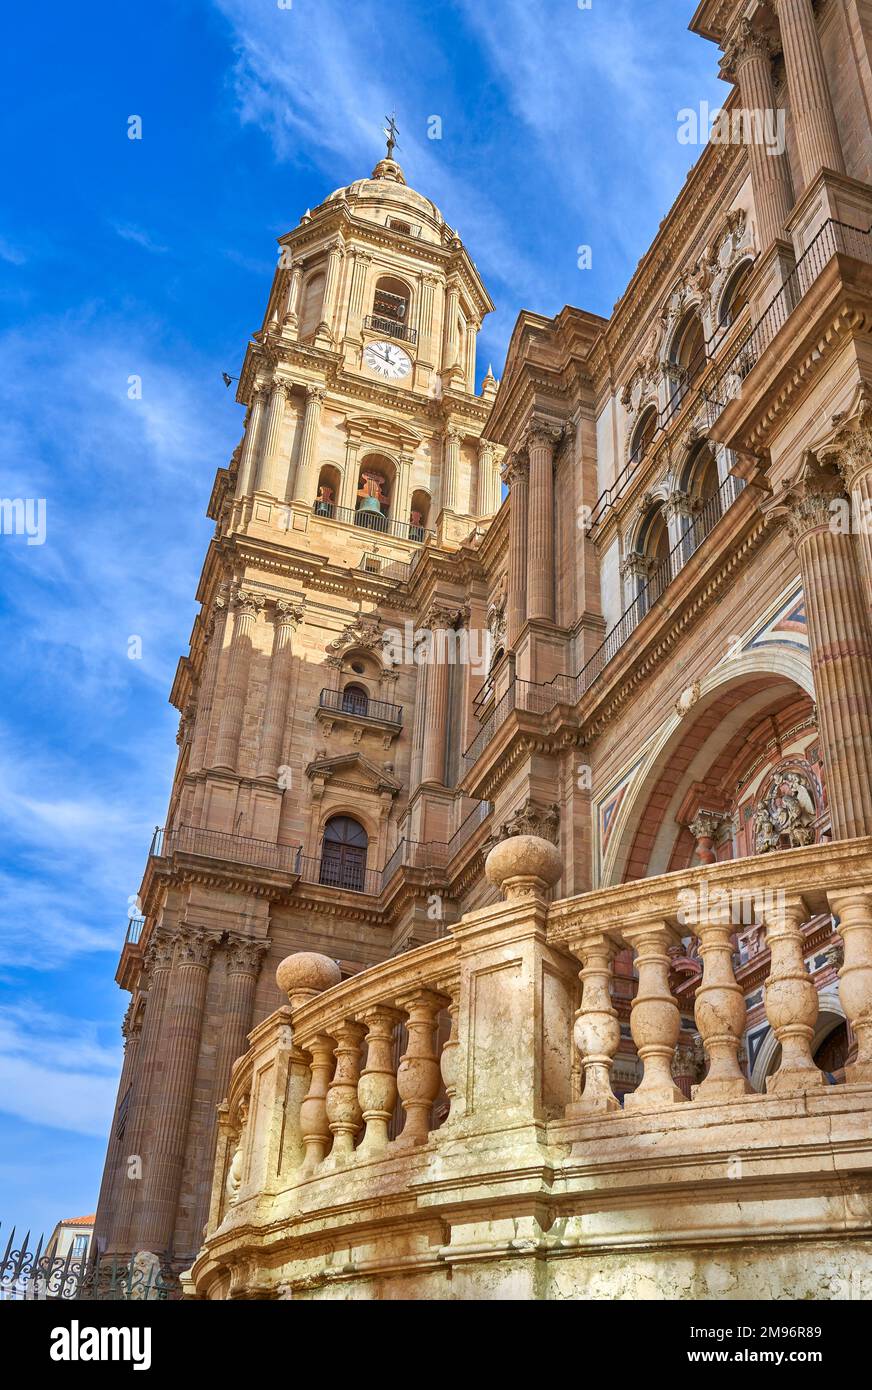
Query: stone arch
x=375, y=498
x=729, y=305
x=641, y=435
x=759, y=673
x=831, y=1015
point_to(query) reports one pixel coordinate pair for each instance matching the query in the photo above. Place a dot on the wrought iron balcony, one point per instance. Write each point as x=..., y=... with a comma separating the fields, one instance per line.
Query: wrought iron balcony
x=391, y=328
x=134, y=931
x=338, y=873
x=356, y=705
x=219, y=844
x=371, y=521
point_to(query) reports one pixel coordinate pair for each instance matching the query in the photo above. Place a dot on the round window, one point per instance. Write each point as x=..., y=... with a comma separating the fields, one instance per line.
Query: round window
x=358, y=667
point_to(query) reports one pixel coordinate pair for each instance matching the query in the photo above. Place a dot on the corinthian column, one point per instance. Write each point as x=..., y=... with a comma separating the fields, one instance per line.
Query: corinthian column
x=840, y=642
x=811, y=106
x=246, y=476
x=154, y=978
x=450, y=468
x=542, y=439
x=304, y=489
x=439, y=621
x=487, y=502
x=287, y=619
x=290, y=320
x=450, y=340
x=246, y=608
x=516, y=475
x=214, y=645
x=244, y=958
x=749, y=60
x=852, y=455
x=272, y=466
x=180, y=1050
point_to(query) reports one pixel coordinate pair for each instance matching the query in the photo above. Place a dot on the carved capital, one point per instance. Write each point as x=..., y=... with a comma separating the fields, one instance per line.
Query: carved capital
x=247, y=603
x=194, y=947
x=851, y=453
x=315, y=393
x=159, y=952
x=746, y=43
x=806, y=500
x=541, y=433
x=244, y=956
x=515, y=469
x=288, y=613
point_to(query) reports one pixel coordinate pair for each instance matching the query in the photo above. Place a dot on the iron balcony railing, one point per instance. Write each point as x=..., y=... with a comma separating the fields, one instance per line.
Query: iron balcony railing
x=338, y=873
x=536, y=698
x=398, y=570
x=219, y=844
x=434, y=854
x=372, y=521
x=350, y=702
x=391, y=328
x=134, y=930
x=715, y=376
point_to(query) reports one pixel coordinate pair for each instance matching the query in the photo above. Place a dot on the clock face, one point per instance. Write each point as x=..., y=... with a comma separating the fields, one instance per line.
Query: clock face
x=388, y=360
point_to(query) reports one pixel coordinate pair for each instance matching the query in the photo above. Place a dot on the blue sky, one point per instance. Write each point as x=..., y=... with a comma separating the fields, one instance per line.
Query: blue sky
x=154, y=258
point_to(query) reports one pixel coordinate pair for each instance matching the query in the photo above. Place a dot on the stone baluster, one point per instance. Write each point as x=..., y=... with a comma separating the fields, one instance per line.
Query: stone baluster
x=246, y=608
x=272, y=474
x=720, y=1011
x=314, y=1124
x=246, y=476
x=450, y=1059
x=377, y=1088
x=287, y=619
x=542, y=439
x=655, y=1021
x=343, y=1110
x=418, y=1074
x=516, y=475
x=749, y=60
x=597, y=1032
x=811, y=106
x=791, y=999
x=854, y=910
x=306, y=481
x=179, y=1054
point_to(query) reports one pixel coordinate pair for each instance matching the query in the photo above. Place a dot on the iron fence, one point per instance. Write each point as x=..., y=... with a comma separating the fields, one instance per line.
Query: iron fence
x=37, y=1273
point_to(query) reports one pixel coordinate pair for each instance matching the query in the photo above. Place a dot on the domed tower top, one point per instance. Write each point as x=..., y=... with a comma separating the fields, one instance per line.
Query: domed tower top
x=386, y=198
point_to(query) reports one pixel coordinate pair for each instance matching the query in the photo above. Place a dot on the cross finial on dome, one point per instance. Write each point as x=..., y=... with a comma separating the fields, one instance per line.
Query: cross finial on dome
x=391, y=132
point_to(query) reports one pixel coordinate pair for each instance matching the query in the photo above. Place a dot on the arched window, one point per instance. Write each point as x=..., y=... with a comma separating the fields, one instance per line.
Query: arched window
x=310, y=305
x=735, y=295
x=686, y=357
x=374, y=493
x=328, y=491
x=652, y=543
x=701, y=482
x=390, y=306
x=355, y=699
x=343, y=854
x=643, y=435
x=419, y=514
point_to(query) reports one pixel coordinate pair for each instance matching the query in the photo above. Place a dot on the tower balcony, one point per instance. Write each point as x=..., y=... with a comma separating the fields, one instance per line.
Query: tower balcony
x=353, y=707
x=391, y=328
x=452, y=1109
x=372, y=521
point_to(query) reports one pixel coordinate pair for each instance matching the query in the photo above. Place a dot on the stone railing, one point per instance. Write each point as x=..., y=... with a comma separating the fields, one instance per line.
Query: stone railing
x=444, y=1124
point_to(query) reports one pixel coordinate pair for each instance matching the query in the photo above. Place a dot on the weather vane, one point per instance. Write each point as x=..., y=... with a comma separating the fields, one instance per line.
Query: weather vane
x=391, y=132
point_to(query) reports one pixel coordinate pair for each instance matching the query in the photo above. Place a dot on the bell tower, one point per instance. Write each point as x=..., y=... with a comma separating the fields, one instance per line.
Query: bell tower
x=310, y=758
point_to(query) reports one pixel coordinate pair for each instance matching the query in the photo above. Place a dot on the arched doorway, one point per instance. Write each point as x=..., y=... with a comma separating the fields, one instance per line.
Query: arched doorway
x=355, y=699
x=343, y=854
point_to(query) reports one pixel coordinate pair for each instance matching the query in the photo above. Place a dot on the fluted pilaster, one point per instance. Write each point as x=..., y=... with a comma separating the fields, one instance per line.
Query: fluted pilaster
x=542, y=439
x=439, y=620
x=180, y=1050
x=248, y=459
x=304, y=490
x=288, y=617
x=246, y=608
x=214, y=647
x=450, y=469
x=272, y=474
x=516, y=475
x=811, y=106
x=749, y=60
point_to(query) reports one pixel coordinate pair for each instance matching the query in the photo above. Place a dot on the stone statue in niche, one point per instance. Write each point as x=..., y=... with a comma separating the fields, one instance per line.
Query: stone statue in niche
x=785, y=818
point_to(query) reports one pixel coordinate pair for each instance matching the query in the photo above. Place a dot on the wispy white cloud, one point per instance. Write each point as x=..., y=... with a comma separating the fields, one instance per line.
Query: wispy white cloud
x=129, y=232
x=13, y=254
x=54, y=1071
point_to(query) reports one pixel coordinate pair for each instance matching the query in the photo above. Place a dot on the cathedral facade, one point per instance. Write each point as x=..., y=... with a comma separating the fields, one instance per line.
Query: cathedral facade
x=616, y=608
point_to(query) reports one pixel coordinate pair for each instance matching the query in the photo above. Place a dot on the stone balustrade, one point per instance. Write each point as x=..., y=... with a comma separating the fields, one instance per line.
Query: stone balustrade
x=444, y=1124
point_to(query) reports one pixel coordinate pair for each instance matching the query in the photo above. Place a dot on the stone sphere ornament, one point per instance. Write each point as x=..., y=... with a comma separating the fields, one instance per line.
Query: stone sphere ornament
x=523, y=866
x=306, y=974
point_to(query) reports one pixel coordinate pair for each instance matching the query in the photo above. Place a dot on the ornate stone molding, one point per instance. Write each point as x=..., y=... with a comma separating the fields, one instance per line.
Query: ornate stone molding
x=365, y=631
x=195, y=946
x=746, y=42
x=530, y=819
x=805, y=501
x=515, y=469
x=288, y=613
x=248, y=603
x=244, y=956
